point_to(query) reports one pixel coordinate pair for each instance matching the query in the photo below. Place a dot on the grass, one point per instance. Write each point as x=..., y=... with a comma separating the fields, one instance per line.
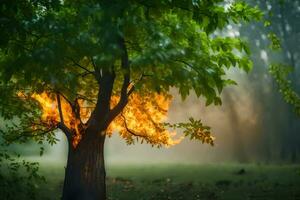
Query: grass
x=190, y=182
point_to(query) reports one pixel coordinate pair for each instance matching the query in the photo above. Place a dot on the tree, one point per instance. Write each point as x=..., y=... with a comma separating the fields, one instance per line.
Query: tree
x=92, y=67
x=288, y=30
x=283, y=42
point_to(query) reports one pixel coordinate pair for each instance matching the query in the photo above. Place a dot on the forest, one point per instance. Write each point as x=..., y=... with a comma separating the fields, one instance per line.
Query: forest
x=149, y=100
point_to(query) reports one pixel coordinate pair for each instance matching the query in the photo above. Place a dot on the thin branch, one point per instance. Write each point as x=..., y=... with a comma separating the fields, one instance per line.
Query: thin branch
x=97, y=73
x=151, y=119
x=188, y=64
x=59, y=108
x=123, y=102
x=126, y=67
x=126, y=82
x=76, y=110
x=61, y=124
x=80, y=66
x=84, y=74
x=26, y=134
x=129, y=130
x=79, y=96
x=61, y=94
x=184, y=62
x=69, y=102
x=66, y=130
x=134, y=46
x=136, y=81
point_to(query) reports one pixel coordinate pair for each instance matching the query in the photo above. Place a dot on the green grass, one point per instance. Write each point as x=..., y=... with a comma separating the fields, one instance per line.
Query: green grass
x=190, y=182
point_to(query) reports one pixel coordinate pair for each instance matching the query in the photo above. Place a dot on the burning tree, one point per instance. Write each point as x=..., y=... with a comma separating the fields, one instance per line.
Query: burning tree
x=92, y=68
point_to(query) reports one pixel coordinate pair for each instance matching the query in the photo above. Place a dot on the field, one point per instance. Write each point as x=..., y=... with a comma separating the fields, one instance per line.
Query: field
x=190, y=182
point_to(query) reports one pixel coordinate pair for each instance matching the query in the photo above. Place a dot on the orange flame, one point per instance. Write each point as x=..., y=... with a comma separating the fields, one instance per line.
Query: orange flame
x=142, y=117
x=50, y=113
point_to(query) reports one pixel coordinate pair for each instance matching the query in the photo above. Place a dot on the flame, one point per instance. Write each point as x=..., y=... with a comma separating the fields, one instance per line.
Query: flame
x=141, y=118
x=50, y=113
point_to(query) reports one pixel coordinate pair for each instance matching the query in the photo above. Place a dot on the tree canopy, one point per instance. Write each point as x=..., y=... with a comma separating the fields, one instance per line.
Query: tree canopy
x=118, y=59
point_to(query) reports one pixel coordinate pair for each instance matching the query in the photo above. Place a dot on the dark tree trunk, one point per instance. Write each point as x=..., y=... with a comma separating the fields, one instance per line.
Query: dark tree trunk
x=85, y=171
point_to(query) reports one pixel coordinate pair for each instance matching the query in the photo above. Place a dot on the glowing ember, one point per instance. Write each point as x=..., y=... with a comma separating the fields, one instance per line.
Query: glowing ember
x=141, y=118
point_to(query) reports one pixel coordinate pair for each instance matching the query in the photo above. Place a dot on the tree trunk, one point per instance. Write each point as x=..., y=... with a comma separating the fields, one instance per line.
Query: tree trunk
x=85, y=171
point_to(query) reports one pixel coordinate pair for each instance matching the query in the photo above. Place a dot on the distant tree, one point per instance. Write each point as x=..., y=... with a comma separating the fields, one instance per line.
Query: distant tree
x=283, y=15
x=274, y=43
x=92, y=67
x=285, y=18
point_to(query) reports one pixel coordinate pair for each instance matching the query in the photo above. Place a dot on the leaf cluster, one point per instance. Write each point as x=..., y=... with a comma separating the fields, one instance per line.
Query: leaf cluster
x=195, y=130
x=280, y=73
x=19, y=178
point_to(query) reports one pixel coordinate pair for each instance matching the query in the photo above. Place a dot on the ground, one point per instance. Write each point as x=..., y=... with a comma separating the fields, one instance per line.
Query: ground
x=190, y=182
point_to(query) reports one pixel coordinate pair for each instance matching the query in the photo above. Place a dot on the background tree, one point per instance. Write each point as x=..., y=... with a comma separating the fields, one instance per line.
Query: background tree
x=92, y=67
x=288, y=30
x=282, y=20
x=273, y=131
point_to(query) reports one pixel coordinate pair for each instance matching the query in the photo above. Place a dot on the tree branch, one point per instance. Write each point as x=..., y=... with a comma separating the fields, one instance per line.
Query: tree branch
x=26, y=134
x=84, y=74
x=61, y=125
x=59, y=108
x=76, y=110
x=126, y=82
x=80, y=66
x=129, y=130
x=102, y=109
x=97, y=72
x=188, y=64
x=61, y=94
x=136, y=82
x=66, y=130
x=126, y=67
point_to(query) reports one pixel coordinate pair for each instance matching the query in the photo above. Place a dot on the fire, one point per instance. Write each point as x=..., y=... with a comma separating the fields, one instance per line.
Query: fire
x=51, y=117
x=141, y=119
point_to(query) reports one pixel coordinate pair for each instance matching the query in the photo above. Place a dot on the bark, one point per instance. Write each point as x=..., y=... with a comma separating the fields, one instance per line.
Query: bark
x=85, y=172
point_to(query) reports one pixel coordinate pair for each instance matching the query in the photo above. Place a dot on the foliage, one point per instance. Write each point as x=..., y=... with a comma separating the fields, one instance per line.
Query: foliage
x=94, y=50
x=195, y=130
x=284, y=40
x=280, y=73
x=275, y=41
x=19, y=178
